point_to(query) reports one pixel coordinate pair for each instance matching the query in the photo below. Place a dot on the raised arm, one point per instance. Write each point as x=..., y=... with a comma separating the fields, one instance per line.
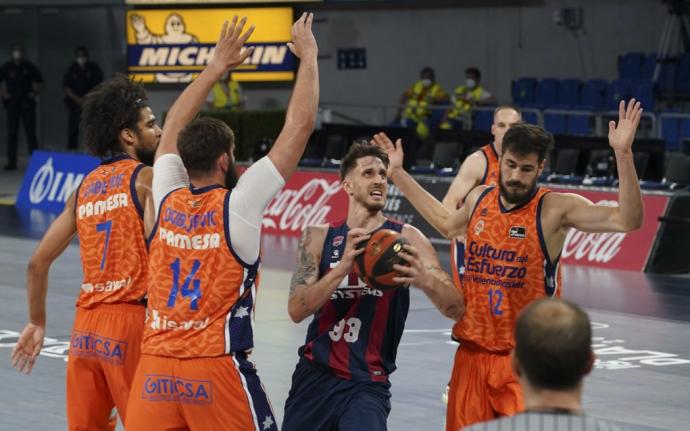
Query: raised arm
x=469, y=176
x=308, y=292
x=54, y=242
x=300, y=117
x=227, y=55
x=582, y=214
x=424, y=272
x=448, y=223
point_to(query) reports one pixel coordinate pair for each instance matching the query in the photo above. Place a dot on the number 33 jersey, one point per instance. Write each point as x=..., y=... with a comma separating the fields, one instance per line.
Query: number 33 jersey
x=112, y=242
x=201, y=295
x=356, y=333
x=507, y=266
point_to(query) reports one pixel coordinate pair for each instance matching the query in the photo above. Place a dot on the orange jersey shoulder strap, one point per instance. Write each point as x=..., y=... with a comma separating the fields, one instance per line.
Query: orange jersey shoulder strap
x=492, y=170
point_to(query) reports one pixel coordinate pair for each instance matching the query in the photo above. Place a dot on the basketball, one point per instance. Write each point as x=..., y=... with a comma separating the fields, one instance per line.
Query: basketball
x=375, y=265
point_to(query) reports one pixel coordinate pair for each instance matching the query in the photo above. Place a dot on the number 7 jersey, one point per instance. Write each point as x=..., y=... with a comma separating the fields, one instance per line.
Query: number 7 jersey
x=201, y=295
x=112, y=242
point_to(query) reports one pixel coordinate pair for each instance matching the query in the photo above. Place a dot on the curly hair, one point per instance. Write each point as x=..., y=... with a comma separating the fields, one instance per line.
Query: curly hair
x=112, y=106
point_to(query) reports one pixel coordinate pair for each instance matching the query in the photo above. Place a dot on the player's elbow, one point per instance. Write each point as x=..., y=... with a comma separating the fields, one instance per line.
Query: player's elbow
x=294, y=312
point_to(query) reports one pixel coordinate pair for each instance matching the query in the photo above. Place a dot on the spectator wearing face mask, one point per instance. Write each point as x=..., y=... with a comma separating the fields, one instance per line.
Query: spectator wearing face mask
x=81, y=77
x=466, y=96
x=419, y=100
x=20, y=82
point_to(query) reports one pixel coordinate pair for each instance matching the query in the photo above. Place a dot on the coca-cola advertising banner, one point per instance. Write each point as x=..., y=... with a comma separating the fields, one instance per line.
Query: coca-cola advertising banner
x=316, y=197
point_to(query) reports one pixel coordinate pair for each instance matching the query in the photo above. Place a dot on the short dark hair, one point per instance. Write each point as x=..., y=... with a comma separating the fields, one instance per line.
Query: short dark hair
x=81, y=49
x=473, y=71
x=356, y=152
x=553, y=344
x=428, y=70
x=524, y=139
x=112, y=106
x=504, y=107
x=202, y=141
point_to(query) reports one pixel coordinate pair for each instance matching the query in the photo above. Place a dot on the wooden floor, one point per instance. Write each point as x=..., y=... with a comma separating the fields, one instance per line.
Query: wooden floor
x=641, y=329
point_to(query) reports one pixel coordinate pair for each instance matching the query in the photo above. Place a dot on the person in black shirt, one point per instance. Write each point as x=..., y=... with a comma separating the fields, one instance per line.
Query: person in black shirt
x=81, y=77
x=21, y=81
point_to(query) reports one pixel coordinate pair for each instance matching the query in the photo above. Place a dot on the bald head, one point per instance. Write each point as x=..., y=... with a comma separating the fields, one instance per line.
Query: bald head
x=553, y=344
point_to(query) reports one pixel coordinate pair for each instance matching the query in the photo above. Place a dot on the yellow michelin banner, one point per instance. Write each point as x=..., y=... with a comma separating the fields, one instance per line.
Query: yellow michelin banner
x=174, y=45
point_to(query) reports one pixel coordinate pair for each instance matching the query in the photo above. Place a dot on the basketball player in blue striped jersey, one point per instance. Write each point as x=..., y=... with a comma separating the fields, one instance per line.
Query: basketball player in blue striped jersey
x=341, y=380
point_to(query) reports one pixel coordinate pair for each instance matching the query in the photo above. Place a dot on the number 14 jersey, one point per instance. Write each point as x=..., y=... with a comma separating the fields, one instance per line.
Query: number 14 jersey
x=201, y=294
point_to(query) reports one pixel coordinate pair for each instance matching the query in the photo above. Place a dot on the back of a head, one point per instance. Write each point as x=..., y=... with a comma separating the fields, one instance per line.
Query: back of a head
x=109, y=108
x=553, y=344
x=356, y=152
x=202, y=141
x=523, y=139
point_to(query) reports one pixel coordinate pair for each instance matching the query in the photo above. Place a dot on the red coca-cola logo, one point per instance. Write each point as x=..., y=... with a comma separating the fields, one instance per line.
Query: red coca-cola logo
x=293, y=209
x=593, y=247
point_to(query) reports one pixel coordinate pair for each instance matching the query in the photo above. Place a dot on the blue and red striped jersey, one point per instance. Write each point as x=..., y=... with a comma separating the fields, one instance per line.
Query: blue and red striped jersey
x=356, y=333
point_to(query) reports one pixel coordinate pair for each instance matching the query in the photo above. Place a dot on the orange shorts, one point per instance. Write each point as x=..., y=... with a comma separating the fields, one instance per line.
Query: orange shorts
x=482, y=387
x=103, y=355
x=222, y=393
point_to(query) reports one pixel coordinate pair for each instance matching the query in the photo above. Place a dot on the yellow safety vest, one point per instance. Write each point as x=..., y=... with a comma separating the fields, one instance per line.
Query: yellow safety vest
x=460, y=106
x=417, y=107
x=231, y=99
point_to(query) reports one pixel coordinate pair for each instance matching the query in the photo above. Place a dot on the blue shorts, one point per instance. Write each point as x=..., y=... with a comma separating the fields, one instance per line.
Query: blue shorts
x=320, y=401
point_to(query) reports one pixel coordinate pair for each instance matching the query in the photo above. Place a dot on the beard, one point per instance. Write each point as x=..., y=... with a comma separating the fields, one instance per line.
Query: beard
x=145, y=155
x=522, y=194
x=231, y=177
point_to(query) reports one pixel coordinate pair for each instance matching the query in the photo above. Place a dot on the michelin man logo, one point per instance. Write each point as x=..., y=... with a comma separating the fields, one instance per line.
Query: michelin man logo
x=175, y=33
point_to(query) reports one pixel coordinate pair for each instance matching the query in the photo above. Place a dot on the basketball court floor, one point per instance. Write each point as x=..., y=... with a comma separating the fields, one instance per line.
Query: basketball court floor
x=641, y=337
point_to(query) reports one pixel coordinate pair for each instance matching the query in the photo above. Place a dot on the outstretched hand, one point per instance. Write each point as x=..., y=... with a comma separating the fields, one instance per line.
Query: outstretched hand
x=28, y=347
x=303, y=42
x=621, y=135
x=394, y=151
x=229, y=52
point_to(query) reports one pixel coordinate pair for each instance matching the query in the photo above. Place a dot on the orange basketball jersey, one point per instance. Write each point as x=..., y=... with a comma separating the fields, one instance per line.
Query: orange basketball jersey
x=493, y=167
x=507, y=266
x=201, y=295
x=112, y=242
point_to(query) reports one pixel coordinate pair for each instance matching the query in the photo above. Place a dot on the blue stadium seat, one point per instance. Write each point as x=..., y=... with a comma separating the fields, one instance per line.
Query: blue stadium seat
x=643, y=91
x=534, y=105
x=593, y=93
x=630, y=66
x=579, y=125
x=684, y=130
x=530, y=117
x=547, y=92
x=683, y=73
x=670, y=129
x=616, y=91
x=667, y=77
x=569, y=92
x=648, y=66
x=483, y=120
x=554, y=123
x=524, y=90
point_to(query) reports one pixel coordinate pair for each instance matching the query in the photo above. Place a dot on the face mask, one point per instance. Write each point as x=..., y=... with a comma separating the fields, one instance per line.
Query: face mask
x=17, y=55
x=470, y=83
x=81, y=61
x=426, y=82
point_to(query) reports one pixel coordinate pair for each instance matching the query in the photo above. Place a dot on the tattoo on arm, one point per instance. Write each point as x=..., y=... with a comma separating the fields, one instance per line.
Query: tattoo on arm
x=306, y=264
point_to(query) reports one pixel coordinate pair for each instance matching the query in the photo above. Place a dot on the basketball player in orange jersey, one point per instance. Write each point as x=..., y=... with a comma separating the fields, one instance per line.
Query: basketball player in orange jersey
x=341, y=381
x=479, y=168
x=195, y=371
x=515, y=233
x=107, y=214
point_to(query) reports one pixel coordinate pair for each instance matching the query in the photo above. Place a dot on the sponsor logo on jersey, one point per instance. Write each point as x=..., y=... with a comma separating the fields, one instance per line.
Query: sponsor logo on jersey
x=157, y=321
x=159, y=387
x=519, y=232
x=337, y=240
x=90, y=345
x=484, y=212
x=108, y=286
x=479, y=227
